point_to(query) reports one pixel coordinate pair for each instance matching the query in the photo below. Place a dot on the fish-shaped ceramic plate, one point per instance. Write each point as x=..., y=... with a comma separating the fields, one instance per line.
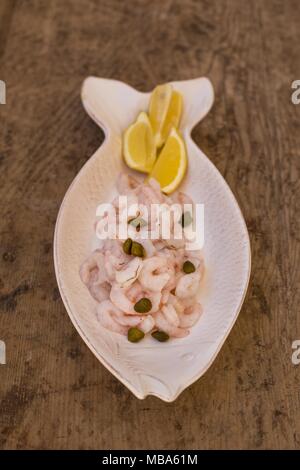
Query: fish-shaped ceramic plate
x=149, y=367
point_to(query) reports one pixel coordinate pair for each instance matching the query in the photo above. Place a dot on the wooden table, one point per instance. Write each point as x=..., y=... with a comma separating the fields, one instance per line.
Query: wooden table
x=53, y=391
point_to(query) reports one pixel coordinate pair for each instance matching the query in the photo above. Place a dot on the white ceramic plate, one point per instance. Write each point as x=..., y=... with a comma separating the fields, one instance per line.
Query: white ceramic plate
x=151, y=368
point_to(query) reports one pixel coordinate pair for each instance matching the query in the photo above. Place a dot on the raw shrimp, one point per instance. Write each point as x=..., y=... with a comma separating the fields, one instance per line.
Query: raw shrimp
x=182, y=198
x=175, y=243
x=105, y=312
x=112, y=318
x=148, y=195
x=188, y=285
x=127, y=207
x=127, y=320
x=100, y=292
x=190, y=316
x=163, y=325
x=165, y=293
x=92, y=270
x=177, y=303
x=153, y=275
x=94, y=276
x=171, y=284
x=118, y=280
x=119, y=299
x=126, y=183
x=159, y=244
x=137, y=292
x=129, y=274
x=114, y=260
x=147, y=324
x=125, y=298
x=155, y=186
x=178, y=258
x=170, y=314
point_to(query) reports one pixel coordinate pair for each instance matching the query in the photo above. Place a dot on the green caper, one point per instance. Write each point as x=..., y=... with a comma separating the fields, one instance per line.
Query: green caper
x=135, y=335
x=127, y=246
x=188, y=267
x=137, y=250
x=160, y=336
x=186, y=219
x=144, y=305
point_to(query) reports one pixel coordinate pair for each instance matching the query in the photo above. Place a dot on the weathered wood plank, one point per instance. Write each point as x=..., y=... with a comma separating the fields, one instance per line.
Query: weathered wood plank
x=6, y=12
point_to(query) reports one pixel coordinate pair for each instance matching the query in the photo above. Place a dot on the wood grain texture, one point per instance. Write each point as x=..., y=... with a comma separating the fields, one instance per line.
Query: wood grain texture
x=6, y=13
x=53, y=392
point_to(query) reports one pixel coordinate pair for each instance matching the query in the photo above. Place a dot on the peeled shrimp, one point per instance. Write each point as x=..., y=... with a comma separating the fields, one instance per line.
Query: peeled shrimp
x=175, y=243
x=92, y=269
x=153, y=275
x=117, y=280
x=170, y=286
x=119, y=299
x=177, y=304
x=94, y=276
x=115, y=261
x=126, y=183
x=147, y=324
x=125, y=298
x=100, y=292
x=136, y=292
x=190, y=316
x=170, y=314
x=127, y=320
x=105, y=312
x=182, y=198
x=165, y=294
x=155, y=186
x=149, y=195
x=188, y=285
x=159, y=244
x=129, y=274
x=162, y=324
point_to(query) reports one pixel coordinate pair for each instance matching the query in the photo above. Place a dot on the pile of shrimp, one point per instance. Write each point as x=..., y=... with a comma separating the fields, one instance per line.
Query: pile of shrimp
x=117, y=281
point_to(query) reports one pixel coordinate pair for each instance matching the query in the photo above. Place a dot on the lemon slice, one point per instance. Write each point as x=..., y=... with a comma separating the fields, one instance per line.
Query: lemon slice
x=158, y=109
x=170, y=167
x=138, y=145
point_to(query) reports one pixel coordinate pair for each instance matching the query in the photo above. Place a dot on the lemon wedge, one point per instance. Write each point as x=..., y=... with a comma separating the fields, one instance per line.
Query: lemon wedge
x=173, y=115
x=158, y=109
x=170, y=167
x=138, y=145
